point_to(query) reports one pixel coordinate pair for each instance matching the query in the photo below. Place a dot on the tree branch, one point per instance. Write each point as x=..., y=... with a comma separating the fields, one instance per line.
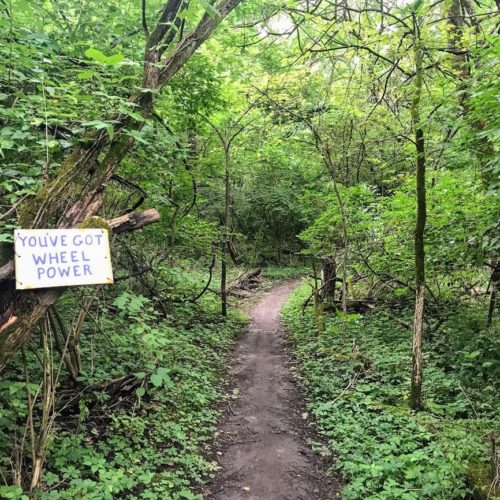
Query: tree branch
x=143, y=19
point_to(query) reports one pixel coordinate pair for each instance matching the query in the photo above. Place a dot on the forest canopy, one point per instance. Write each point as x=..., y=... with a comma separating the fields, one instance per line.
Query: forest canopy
x=352, y=143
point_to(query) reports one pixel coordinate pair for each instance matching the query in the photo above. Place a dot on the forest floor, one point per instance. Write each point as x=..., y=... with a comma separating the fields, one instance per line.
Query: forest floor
x=263, y=438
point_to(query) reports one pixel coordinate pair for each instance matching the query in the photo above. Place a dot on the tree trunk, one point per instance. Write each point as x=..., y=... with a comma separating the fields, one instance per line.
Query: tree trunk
x=18, y=321
x=461, y=60
x=417, y=359
x=456, y=46
x=325, y=151
x=227, y=226
x=418, y=327
x=495, y=285
x=227, y=137
x=223, y=280
x=328, y=278
x=77, y=192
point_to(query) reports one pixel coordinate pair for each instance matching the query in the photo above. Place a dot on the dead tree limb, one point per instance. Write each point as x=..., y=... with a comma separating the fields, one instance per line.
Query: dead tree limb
x=243, y=278
x=209, y=281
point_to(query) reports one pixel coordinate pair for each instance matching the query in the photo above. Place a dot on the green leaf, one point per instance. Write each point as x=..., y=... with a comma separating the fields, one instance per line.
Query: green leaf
x=472, y=355
x=156, y=380
x=50, y=478
x=140, y=391
x=98, y=124
x=85, y=75
x=137, y=136
x=11, y=492
x=210, y=9
x=135, y=115
x=111, y=131
x=100, y=57
x=146, y=477
x=115, y=59
x=95, y=54
x=6, y=238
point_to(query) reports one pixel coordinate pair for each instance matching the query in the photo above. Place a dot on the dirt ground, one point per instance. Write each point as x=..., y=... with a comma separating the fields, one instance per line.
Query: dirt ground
x=263, y=437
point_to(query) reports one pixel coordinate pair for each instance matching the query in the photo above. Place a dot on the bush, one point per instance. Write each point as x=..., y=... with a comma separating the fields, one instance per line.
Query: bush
x=357, y=376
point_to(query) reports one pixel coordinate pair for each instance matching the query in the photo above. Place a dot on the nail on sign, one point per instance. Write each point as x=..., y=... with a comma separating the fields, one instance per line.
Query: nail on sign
x=47, y=258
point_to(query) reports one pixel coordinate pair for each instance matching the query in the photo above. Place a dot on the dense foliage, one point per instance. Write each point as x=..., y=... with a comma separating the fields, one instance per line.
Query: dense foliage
x=290, y=133
x=144, y=415
x=357, y=375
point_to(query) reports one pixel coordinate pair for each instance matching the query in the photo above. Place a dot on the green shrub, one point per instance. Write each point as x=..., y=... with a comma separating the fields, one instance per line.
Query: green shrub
x=357, y=376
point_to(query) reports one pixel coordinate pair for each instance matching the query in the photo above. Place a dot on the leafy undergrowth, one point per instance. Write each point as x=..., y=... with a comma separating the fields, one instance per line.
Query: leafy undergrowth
x=285, y=273
x=155, y=450
x=146, y=414
x=357, y=376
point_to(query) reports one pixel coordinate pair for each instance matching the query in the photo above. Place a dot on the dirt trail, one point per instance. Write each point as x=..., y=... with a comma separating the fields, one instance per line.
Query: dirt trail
x=264, y=452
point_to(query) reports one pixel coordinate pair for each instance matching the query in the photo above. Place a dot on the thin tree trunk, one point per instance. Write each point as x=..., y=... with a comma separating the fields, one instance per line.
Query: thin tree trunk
x=343, y=214
x=328, y=278
x=47, y=409
x=418, y=327
x=227, y=137
x=227, y=226
x=223, y=281
x=495, y=285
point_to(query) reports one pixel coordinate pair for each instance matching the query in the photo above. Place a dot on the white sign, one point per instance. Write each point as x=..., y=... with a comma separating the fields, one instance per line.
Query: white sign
x=47, y=258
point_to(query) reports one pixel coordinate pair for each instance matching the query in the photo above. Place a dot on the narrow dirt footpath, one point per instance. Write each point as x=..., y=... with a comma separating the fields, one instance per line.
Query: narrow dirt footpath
x=263, y=438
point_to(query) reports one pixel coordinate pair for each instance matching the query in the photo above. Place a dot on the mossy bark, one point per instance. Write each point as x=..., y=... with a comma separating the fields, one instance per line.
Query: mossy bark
x=77, y=192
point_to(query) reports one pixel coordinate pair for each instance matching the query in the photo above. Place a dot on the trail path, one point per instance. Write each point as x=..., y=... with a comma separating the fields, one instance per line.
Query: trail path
x=263, y=438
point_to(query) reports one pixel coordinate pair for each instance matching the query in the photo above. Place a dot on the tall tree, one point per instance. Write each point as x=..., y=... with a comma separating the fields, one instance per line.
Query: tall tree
x=77, y=192
x=227, y=134
x=418, y=325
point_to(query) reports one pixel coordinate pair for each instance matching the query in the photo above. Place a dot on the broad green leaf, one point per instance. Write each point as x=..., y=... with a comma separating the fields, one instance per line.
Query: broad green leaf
x=100, y=57
x=156, y=380
x=85, y=75
x=95, y=54
x=137, y=136
x=115, y=59
x=98, y=124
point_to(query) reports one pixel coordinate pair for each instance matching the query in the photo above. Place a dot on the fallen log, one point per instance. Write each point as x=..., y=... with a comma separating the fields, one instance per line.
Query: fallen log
x=242, y=294
x=402, y=322
x=243, y=279
x=352, y=305
x=7, y=270
x=118, y=390
x=133, y=221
